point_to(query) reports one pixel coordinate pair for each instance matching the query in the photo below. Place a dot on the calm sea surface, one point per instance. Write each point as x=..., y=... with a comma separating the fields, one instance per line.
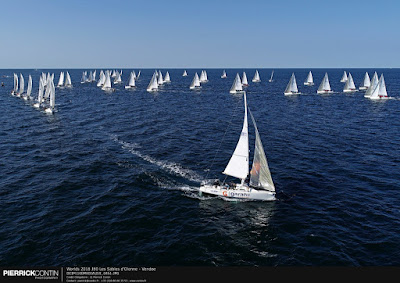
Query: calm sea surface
x=112, y=179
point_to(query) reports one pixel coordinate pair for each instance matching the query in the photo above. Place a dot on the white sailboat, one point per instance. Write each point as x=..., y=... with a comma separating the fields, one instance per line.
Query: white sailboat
x=40, y=94
x=379, y=91
x=153, y=85
x=237, y=86
x=203, y=77
x=291, y=87
x=90, y=77
x=84, y=77
x=107, y=83
x=67, y=82
x=160, y=80
x=167, y=78
x=118, y=78
x=244, y=80
x=223, y=76
x=21, y=85
x=325, y=86
x=114, y=74
x=309, y=81
x=195, y=82
x=349, y=85
x=29, y=89
x=260, y=185
x=366, y=82
x=61, y=80
x=138, y=75
x=102, y=79
x=50, y=108
x=15, y=89
x=374, y=83
x=256, y=78
x=131, y=83
x=344, y=77
x=184, y=73
x=272, y=76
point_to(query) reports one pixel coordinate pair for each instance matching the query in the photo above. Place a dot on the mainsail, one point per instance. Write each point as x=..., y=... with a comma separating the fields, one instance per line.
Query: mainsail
x=309, y=80
x=68, y=82
x=366, y=82
x=244, y=79
x=29, y=90
x=21, y=84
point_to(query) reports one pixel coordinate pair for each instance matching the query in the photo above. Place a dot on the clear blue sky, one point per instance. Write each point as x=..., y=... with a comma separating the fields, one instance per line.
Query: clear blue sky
x=201, y=33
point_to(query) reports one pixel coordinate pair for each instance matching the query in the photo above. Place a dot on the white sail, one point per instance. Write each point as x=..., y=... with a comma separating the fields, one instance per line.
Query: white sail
x=344, y=77
x=256, y=77
x=184, y=73
x=84, y=77
x=309, y=81
x=379, y=90
x=153, y=85
x=89, y=78
x=160, y=80
x=260, y=176
x=272, y=75
x=202, y=76
x=237, y=85
x=117, y=79
x=67, y=82
x=291, y=87
x=131, y=82
x=374, y=83
x=15, y=82
x=107, y=82
x=138, y=75
x=21, y=84
x=195, y=82
x=167, y=78
x=52, y=95
x=325, y=86
x=102, y=79
x=48, y=88
x=244, y=79
x=61, y=80
x=366, y=82
x=223, y=76
x=29, y=89
x=238, y=165
x=40, y=93
x=114, y=74
x=94, y=76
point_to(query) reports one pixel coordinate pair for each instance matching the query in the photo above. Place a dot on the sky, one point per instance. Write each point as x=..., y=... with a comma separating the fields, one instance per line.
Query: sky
x=199, y=34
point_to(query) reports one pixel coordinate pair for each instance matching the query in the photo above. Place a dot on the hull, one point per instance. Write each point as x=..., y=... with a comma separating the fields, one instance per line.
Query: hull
x=152, y=89
x=349, y=90
x=242, y=192
x=128, y=87
x=343, y=81
x=363, y=88
x=195, y=87
x=48, y=111
x=36, y=105
x=377, y=98
x=237, y=92
x=270, y=81
x=223, y=77
x=309, y=84
x=256, y=81
x=324, y=91
x=291, y=93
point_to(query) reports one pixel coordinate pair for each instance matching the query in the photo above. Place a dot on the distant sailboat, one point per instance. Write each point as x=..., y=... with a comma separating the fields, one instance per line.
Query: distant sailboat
x=29, y=89
x=203, y=77
x=118, y=78
x=160, y=80
x=84, y=77
x=223, y=76
x=291, y=87
x=260, y=185
x=167, y=78
x=344, y=77
x=195, y=82
x=184, y=73
x=374, y=83
x=244, y=80
x=325, y=86
x=366, y=82
x=107, y=83
x=272, y=75
x=21, y=85
x=14, y=91
x=256, y=78
x=40, y=94
x=379, y=91
x=153, y=85
x=102, y=79
x=50, y=108
x=67, y=82
x=138, y=75
x=309, y=81
x=349, y=86
x=131, y=83
x=237, y=86
x=61, y=80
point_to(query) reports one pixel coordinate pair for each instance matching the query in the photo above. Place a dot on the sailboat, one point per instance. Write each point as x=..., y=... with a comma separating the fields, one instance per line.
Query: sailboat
x=244, y=80
x=160, y=80
x=184, y=73
x=94, y=76
x=167, y=78
x=260, y=185
x=102, y=79
x=349, y=86
x=67, y=82
x=40, y=94
x=366, y=82
x=203, y=77
x=325, y=86
x=374, y=83
x=117, y=79
x=344, y=77
x=138, y=75
x=14, y=91
x=29, y=89
x=107, y=83
x=272, y=75
x=21, y=85
x=223, y=76
x=237, y=85
x=195, y=82
x=153, y=85
x=309, y=81
x=50, y=109
x=131, y=83
x=379, y=91
x=256, y=78
x=291, y=87
x=84, y=77
x=61, y=80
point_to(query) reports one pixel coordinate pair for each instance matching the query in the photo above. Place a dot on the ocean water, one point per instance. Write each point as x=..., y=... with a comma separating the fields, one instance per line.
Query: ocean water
x=112, y=179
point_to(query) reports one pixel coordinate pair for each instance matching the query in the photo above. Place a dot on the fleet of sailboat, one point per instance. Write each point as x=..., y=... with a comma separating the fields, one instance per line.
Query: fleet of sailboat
x=377, y=90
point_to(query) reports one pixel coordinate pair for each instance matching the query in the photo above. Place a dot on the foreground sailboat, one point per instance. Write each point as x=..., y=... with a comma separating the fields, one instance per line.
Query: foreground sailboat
x=291, y=87
x=366, y=82
x=223, y=76
x=256, y=78
x=196, y=82
x=272, y=76
x=237, y=85
x=325, y=87
x=260, y=185
x=350, y=86
x=374, y=83
x=309, y=81
x=344, y=77
x=153, y=85
x=379, y=91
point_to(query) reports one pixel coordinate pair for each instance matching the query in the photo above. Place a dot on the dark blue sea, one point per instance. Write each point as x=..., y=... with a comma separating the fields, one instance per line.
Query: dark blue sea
x=111, y=179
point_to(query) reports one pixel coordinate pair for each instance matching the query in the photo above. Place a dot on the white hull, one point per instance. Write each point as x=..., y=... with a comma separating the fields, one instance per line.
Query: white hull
x=256, y=81
x=236, y=91
x=343, y=81
x=36, y=105
x=363, y=88
x=240, y=192
x=377, y=98
x=108, y=89
x=48, y=111
x=270, y=81
x=128, y=87
x=25, y=98
x=324, y=91
x=292, y=93
x=223, y=77
x=195, y=87
x=350, y=90
x=309, y=84
x=152, y=90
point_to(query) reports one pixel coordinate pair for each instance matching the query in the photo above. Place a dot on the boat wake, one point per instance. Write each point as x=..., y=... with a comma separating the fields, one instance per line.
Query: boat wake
x=170, y=167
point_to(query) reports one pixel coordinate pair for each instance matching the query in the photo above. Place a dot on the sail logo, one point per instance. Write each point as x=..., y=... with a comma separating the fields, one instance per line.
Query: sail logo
x=225, y=193
x=239, y=194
